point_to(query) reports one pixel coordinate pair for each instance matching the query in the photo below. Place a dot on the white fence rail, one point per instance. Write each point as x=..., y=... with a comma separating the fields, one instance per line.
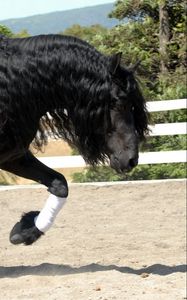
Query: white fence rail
x=163, y=105
x=168, y=129
x=144, y=158
x=76, y=161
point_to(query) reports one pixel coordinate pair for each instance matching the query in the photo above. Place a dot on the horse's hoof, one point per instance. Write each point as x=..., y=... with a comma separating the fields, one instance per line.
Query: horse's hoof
x=15, y=236
x=25, y=231
x=16, y=239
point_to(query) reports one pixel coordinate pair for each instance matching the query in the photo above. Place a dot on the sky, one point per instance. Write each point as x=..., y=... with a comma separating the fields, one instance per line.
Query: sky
x=22, y=8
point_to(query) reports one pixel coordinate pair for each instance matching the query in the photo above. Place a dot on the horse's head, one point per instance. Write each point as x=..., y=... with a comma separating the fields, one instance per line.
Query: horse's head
x=128, y=116
x=122, y=141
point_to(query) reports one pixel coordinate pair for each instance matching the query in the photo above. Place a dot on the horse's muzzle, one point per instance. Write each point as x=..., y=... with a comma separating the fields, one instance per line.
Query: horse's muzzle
x=123, y=163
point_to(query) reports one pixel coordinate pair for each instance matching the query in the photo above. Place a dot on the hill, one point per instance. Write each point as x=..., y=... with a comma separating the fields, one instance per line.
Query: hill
x=58, y=21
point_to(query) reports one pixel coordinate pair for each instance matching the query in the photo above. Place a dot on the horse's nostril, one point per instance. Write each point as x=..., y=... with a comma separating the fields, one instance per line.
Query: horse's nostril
x=123, y=163
x=133, y=162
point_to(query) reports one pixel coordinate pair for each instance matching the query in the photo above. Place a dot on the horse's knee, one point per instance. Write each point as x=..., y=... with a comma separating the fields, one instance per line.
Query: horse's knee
x=59, y=188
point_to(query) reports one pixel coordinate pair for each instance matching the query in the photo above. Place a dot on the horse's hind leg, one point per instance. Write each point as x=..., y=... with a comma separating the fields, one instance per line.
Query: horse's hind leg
x=29, y=167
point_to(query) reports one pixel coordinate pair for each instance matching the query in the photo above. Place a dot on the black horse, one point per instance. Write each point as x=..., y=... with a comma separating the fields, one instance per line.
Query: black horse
x=62, y=86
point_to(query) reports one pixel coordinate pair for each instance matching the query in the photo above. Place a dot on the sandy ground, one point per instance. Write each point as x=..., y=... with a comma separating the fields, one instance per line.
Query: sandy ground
x=109, y=242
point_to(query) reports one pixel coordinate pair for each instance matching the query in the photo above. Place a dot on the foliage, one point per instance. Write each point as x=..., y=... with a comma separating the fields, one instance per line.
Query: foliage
x=135, y=9
x=94, y=174
x=172, y=86
x=136, y=42
x=5, y=31
x=138, y=10
x=165, y=143
x=89, y=34
x=144, y=172
x=22, y=34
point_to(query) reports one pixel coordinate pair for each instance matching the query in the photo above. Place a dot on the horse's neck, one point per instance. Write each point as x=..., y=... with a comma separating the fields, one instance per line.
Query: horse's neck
x=60, y=93
x=61, y=83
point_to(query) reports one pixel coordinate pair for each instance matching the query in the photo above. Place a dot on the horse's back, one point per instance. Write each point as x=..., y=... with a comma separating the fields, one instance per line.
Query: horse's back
x=37, y=43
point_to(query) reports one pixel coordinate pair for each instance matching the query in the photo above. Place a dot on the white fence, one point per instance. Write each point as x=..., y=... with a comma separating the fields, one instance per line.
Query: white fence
x=144, y=158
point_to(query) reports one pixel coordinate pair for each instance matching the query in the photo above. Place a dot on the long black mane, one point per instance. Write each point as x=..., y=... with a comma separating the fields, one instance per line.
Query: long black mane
x=61, y=86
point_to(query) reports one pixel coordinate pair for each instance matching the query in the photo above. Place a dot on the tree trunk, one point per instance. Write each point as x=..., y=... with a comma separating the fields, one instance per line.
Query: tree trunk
x=164, y=35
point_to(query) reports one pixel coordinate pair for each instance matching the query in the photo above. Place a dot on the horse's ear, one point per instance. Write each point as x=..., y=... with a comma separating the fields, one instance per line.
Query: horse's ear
x=115, y=62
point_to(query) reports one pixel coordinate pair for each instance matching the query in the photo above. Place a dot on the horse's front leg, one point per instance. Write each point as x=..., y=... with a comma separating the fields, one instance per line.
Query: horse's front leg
x=33, y=224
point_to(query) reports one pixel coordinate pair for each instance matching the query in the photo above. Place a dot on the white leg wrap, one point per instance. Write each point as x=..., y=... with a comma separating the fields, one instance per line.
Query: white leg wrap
x=48, y=214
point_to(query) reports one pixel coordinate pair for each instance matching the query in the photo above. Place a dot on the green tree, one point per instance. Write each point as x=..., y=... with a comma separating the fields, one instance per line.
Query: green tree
x=22, y=34
x=168, y=15
x=5, y=31
x=85, y=33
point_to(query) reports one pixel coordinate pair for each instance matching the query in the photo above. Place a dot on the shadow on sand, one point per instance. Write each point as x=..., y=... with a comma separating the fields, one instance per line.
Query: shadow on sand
x=47, y=269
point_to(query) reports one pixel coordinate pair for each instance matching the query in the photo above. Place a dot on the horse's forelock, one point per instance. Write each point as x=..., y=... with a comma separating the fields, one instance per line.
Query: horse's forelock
x=125, y=79
x=141, y=115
